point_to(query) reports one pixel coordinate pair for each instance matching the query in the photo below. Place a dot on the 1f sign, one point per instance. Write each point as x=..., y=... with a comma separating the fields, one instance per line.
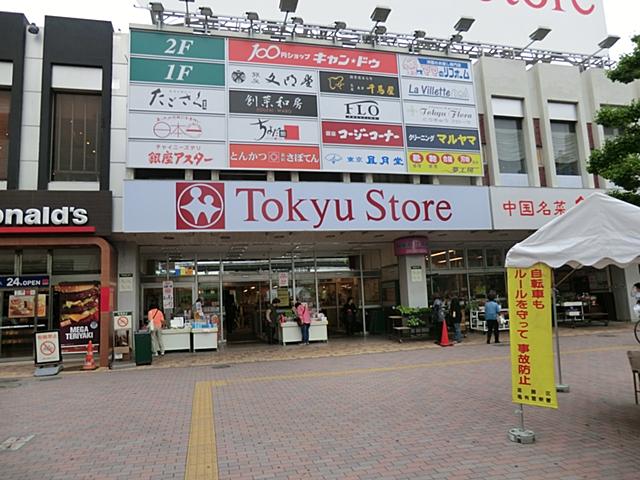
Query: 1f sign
x=183, y=46
x=182, y=72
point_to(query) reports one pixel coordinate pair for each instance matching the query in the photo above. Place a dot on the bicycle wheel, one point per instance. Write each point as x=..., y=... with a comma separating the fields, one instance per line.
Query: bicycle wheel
x=636, y=331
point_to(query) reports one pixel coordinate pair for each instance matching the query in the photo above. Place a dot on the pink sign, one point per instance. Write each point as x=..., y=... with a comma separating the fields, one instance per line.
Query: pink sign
x=411, y=246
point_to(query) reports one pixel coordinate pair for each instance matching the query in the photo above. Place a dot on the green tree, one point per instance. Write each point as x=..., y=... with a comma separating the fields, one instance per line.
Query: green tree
x=619, y=158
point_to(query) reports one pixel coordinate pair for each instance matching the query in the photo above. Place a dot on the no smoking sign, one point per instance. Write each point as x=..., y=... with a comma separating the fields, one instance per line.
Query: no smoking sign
x=48, y=347
x=122, y=320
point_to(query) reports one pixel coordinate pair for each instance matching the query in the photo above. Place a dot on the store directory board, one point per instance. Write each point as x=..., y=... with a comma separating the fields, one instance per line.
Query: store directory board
x=212, y=103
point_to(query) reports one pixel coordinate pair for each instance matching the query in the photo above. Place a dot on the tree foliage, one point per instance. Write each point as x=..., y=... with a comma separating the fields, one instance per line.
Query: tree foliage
x=619, y=158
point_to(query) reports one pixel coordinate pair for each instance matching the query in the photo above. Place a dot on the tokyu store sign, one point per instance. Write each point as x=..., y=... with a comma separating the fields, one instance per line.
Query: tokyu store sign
x=211, y=103
x=169, y=206
x=503, y=22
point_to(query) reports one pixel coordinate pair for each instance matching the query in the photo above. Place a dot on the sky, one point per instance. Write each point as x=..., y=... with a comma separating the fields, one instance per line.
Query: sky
x=622, y=15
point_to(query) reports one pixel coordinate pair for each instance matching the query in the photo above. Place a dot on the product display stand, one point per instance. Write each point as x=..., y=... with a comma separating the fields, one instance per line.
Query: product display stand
x=521, y=435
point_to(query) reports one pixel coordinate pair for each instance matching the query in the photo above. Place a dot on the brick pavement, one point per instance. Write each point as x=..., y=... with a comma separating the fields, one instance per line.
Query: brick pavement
x=415, y=413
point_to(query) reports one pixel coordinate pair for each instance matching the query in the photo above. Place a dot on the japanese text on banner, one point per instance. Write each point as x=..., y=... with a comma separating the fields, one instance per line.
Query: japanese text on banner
x=532, y=366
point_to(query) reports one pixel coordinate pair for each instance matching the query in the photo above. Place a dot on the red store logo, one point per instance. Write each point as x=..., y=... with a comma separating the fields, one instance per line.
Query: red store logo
x=200, y=206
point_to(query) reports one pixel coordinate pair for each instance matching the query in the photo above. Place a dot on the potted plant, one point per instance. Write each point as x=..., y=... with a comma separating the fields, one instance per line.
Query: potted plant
x=415, y=316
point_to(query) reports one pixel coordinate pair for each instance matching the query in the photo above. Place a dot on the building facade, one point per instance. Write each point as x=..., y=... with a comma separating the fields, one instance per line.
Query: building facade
x=131, y=160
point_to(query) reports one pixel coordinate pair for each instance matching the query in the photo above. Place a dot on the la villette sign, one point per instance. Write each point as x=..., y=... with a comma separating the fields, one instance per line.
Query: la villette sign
x=39, y=212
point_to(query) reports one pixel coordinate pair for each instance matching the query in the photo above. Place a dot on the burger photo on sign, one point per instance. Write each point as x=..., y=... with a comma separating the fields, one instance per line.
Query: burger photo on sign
x=79, y=304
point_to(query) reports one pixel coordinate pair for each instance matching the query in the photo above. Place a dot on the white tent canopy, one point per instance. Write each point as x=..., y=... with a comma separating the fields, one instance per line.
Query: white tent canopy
x=598, y=232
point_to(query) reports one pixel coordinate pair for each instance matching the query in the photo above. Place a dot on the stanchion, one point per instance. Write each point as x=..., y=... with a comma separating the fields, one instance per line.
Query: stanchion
x=521, y=434
x=89, y=363
x=560, y=387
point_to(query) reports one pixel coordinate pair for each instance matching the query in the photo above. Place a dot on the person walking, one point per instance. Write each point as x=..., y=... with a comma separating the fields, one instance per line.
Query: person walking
x=304, y=317
x=455, y=314
x=437, y=316
x=272, y=320
x=491, y=312
x=155, y=325
x=349, y=311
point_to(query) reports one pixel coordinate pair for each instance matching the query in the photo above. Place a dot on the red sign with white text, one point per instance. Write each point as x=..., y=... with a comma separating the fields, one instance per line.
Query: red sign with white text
x=308, y=56
x=376, y=135
x=278, y=157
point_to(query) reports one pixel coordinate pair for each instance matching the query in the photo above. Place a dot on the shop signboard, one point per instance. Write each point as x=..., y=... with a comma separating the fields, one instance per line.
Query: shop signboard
x=498, y=22
x=320, y=97
x=358, y=84
x=454, y=116
x=55, y=212
x=438, y=162
x=175, y=99
x=274, y=157
x=24, y=281
x=531, y=208
x=358, y=159
x=47, y=347
x=192, y=155
x=79, y=315
x=273, y=79
x=167, y=294
x=356, y=109
x=266, y=129
x=438, y=138
x=532, y=363
x=170, y=206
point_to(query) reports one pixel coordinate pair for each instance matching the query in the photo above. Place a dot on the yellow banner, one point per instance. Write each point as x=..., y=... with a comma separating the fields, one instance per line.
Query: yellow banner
x=532, y=367
x=427, y=162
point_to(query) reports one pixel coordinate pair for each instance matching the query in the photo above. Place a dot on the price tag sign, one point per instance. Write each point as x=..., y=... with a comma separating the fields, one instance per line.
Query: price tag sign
x=47, y=347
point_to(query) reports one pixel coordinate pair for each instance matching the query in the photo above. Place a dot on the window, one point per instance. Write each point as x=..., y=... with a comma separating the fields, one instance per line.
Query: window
x=510, y=140
x=68, y=261
x=320, y=177
x=611, y=132
x=158, y=174
x=5, y=108
x=565, y=147
x=77, y=137
x=244, y=175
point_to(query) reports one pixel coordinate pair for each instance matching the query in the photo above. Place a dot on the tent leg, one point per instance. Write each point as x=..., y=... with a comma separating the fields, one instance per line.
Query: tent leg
x=560, y=387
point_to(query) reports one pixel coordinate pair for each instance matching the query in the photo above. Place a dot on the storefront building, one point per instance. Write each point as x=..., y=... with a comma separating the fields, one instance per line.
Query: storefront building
x=241, y=168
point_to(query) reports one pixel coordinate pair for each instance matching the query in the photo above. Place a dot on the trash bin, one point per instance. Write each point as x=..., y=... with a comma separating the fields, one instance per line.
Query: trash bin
x=376, y=324
x=142, y=341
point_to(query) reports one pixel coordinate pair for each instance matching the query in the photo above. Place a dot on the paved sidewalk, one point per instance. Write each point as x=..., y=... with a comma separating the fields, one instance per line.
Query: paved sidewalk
x=424, y=413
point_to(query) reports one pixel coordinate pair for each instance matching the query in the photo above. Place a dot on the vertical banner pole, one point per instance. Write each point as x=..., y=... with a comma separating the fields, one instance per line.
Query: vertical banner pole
x=560, y=387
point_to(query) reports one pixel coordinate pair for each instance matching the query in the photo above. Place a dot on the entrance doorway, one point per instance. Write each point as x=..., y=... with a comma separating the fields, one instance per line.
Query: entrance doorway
x=245, y=304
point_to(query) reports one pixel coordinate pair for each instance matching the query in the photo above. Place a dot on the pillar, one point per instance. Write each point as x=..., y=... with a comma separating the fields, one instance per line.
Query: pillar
x=412, y=270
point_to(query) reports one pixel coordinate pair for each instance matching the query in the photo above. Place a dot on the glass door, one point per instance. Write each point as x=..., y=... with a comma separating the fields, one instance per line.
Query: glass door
x=23, y=314
x=183, y=300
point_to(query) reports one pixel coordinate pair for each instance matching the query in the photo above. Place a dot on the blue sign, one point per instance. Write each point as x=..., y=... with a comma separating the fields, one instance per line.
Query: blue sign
x=435, y=138
x=24, y=281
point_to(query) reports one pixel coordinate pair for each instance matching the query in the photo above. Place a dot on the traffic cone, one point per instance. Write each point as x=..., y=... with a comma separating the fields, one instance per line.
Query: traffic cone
x=444, y=340
x=89, y=363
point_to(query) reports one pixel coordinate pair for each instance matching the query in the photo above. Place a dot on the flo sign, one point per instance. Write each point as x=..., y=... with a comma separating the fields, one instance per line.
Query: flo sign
x=169, y=206
x=503, y=22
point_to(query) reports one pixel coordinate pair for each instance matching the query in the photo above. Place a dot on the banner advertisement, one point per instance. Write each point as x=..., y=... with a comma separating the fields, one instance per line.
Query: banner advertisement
x=315, y=96
x=427, y=162
x=47, y=347
x=167, y=294
x=79, y=315
x=171, y=206
x=532, y=365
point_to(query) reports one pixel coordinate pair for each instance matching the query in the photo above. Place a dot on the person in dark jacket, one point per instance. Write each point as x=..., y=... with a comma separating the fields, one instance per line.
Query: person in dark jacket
x=455, y=316
x=349, y=311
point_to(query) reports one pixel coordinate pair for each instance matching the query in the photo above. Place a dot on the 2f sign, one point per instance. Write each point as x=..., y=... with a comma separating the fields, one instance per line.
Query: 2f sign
x=181, y=74
x=182, y=46
x=583, y=7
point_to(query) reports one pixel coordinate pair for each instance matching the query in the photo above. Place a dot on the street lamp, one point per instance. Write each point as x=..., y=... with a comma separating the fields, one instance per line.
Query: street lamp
x=252, y=17
x=287, y=6
x=157, y=13
x=379, y=15
x=462, y=25
x=417, y=35
x=605, y=44
x=207, y=13
x=186, y=6
x=538, y=35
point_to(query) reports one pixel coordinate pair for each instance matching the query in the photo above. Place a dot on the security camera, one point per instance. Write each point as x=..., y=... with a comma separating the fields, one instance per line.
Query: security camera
x=33, y=29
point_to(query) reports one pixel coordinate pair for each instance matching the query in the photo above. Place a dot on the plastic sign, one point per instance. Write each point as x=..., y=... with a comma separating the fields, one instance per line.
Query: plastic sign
x=122, y=320
x=47, y=347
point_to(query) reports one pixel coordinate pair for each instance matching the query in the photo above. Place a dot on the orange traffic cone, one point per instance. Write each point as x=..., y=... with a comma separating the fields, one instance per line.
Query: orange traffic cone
x=89, y=363
x=444, y=340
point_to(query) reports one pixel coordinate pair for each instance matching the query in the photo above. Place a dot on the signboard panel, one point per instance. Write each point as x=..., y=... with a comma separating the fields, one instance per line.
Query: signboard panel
x=177, y=127
x=454, y=116
x=47, y=347
x=358, y=84
x=275, y=79
x=267, y=103
x=167, y=294
x=178, y=72
x=122, y=320
x=500, y=22
x=348, y=133
x=283, y=206
x=79, y=315
x=273, y=130
x=436, y=68
x=24, y=281
x=443, y=138
x=274, y=157
x=434, y=162
x=532, y=364
x=298, y=55
x=531, y=208
x=192, y=155
x=370, y=160
x=176, y=99
x=356, y=109
x=437, y=91
x=145, y=42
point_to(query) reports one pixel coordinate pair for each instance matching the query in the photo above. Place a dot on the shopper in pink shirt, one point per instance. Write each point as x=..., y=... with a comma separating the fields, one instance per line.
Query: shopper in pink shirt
x=304, y=318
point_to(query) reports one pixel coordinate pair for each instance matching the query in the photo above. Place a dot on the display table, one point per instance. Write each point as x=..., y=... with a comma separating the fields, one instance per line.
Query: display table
x=205, y=338
x=477, y=321
x=290, y=332
x=176, y=339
